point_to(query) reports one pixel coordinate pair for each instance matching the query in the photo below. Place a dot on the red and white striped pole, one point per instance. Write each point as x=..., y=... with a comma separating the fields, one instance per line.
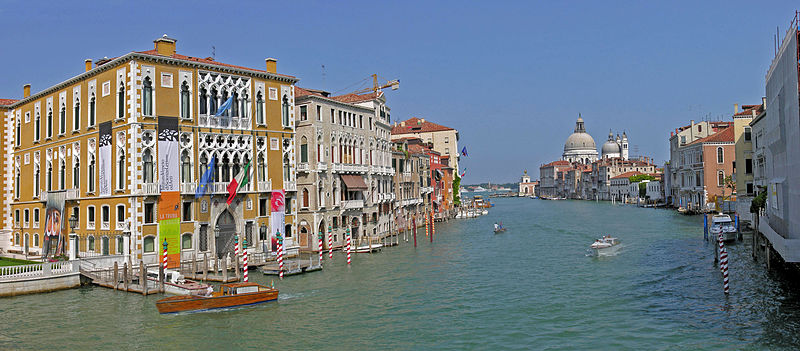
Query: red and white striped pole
x=280, y=255
x=236, y=246
x=348, y=245
x=244, y=252
x=164, y=258
x=320, y=240
x=723, y=265
x=330, y=243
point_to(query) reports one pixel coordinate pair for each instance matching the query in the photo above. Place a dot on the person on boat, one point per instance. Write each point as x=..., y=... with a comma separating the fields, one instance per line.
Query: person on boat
x=496, y=227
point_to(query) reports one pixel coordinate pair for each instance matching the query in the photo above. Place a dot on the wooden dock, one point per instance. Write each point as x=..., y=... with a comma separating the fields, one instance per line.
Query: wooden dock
x=292, y=267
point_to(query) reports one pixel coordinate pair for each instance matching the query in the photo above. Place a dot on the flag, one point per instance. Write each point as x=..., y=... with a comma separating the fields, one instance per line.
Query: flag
x=238, y=182
x=464, y=151
x=224, y=107
x=202, y=187
x=464, y=172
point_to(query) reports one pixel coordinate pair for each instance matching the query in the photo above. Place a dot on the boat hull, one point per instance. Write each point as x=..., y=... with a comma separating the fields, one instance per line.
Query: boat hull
x=198, y=303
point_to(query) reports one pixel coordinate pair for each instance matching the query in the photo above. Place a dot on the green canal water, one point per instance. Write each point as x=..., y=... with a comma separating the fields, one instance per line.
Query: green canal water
x=532, y=287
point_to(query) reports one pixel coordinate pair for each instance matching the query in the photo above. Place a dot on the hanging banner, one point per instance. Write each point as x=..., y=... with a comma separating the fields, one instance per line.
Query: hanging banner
x=168, y=151
x=169, y=220
x=105, y=178
x=53, y=224
x=277, y=212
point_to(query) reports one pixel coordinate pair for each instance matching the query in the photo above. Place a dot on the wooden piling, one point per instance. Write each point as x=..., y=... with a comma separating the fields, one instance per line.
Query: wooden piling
x=125, y=275
x=224, y=270
x=116, y=275
x=236, y=266
x=142, y=277
x=161, y=278
x=205, y=266
x=194, y=263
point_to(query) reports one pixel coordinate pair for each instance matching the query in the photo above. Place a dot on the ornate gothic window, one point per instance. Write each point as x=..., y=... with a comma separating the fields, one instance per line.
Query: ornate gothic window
x=213, y=102
x=62, y=121
x=49, y=123
x=90, y=171
x=185, y=100
x=259, y=108
x=76, y=116
x=203, y=101
x=285, y=111
x=147, y=165
x=76, y=173
x=147, y=97
x=121, y=101
x=37, y=124
x=304, y=150
x=92, y=110
x=121, y=169
x=186, y=167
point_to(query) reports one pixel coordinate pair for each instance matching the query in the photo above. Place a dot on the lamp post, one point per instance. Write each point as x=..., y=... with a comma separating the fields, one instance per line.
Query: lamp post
x=73, y=238
x=216, y=236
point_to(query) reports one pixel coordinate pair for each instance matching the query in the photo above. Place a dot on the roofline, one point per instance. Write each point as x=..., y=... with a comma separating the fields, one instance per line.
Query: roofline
x=758, y=118
x=308, y=97
x=136, y=55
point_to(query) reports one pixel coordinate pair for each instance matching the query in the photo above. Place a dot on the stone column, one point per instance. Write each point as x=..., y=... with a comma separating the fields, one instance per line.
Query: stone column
x=126, y=245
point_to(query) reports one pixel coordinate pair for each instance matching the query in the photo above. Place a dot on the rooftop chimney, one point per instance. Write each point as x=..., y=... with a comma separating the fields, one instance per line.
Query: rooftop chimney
x=88, y=64
x=735, y=108
x=764, y=102
x=272, y=65
x=26, y=91
x=165, y=46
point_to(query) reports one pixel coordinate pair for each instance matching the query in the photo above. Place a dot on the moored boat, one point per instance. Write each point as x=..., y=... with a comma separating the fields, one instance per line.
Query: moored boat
x=229, y=295
x=176, y=284
x=722, y=223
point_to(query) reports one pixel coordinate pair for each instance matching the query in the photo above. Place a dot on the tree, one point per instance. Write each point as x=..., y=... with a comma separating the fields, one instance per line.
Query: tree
x=456, y=188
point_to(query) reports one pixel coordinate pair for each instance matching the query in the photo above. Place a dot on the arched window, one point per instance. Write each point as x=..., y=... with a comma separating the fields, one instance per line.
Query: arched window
x=720, y=155
x=92, y=109
x=262, y=168
x=76, y=117
x=212, y=108
x=76, y=173
x=286, y=170
x=120, y=216
x=285, y=111
x=303, y=149
x=36, y=180
x=121, y=169
x=203, y=101
x=121, y=101
x=37, y=124
x=36, y=239
x=305, y=198
x=720, y=178
x=149, y=244
x=90, y=174
x=226, y=171
x=147, y=97
x=62, y=120
x=49, y=123
x=259, y=108
x=186, y=241
x=222, y=100
x=16, y=239
x=185, y=100
x=18, y=133
x=147, y=165
x=17, y=184
x=62, y=175
x=235, y=104
x=243, y=110
x=120, y=244
x=186, y=167
x=90, y=243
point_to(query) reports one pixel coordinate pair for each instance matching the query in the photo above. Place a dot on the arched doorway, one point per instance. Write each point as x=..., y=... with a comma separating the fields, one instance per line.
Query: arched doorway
x=324, y=232
x=226, y=227
x=355, y=227
x=305, y=236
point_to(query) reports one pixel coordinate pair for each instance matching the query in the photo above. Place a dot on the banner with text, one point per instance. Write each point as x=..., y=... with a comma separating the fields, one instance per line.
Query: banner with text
x=169, y=220
x=105, y=179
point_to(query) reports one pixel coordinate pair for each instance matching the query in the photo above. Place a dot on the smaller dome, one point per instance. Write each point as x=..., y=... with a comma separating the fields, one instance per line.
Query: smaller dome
x=610, y=147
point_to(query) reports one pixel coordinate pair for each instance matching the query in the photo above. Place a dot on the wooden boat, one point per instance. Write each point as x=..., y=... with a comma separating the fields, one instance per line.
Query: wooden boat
x=499, y=230
x=229, y=295
x=176, y=284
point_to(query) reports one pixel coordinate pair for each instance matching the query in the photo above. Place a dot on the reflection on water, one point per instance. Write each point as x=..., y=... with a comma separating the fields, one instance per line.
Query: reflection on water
x=532, y=287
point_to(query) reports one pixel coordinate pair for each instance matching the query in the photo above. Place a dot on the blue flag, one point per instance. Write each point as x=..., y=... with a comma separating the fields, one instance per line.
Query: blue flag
x=202, y=186
x=464, y=151
x=224, y=107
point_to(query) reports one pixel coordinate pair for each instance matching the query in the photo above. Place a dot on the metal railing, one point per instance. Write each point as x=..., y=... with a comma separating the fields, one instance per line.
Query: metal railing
x=73, y=194
x=352, y=204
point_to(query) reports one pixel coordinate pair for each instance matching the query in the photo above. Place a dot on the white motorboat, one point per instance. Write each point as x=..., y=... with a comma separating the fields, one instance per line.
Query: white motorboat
x=176, y=284
x=484, y=212
x=605, y=246
x=722, y=223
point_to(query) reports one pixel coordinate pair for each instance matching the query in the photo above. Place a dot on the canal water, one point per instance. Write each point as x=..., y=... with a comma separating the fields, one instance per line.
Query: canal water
x=532, y=287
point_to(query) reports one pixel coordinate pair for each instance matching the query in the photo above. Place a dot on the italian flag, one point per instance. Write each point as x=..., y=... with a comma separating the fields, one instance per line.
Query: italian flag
x=239, y=182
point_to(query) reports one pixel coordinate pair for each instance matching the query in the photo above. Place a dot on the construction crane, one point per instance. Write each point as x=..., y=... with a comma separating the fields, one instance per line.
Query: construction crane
x=376, y=87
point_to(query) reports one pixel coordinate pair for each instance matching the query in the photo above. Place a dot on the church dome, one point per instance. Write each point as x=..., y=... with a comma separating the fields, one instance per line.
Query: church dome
x=610, y=147
x=580, y=141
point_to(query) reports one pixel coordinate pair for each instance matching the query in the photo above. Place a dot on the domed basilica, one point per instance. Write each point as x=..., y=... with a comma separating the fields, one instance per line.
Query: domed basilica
x=580, y=146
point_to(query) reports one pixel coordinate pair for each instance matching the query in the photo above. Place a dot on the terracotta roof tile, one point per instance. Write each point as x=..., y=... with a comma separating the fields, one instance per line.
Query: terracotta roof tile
x=416, y=125
x=353, y=98
x=747, y=110
x=627, y=175
x=207, y=61
x=4, y=102
x=724, y=136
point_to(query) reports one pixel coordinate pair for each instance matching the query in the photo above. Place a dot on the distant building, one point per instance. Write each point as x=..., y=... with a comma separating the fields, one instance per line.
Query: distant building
x=444, y=139
x=703, y=166
x=547, y=177
x=526, y=186
x=580, y=146
x=676, y=166
x=743, y=137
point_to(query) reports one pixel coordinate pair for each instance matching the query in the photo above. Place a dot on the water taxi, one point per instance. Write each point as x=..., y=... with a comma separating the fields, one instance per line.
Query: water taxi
x=605, y=246
x=229, y=295
x=722, y=223
x=176, y=284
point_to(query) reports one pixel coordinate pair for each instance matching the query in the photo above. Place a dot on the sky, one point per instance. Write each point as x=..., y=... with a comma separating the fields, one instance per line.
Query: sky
x=512, y=77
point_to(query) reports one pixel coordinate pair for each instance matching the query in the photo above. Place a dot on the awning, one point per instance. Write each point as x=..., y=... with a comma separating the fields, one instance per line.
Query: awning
x=354, y=182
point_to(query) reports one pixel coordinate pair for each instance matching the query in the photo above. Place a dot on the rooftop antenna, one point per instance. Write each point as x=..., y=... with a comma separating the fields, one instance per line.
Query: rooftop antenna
x=213, y=52
x=323, y=76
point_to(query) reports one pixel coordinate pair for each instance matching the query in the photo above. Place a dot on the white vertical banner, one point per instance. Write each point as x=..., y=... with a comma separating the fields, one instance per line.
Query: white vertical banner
x=168, y=151
x=105, y=179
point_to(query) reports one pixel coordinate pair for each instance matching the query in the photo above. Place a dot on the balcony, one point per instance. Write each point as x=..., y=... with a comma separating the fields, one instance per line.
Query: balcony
x=188, y=188
x=73, y=194
x=406, y=177
x=336, y=167
x=224, y=122
x=265, y=186
x=322, y=166
x=218, y=187
x=410, y=202
x=352, y=204
x=303, y=167
x=290, y=185
x=149, y=189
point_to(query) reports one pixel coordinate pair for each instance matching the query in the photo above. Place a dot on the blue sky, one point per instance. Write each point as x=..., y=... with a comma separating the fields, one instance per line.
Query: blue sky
x=510, y=76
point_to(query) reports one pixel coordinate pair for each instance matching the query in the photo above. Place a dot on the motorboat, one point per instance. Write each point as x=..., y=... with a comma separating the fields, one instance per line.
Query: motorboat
x=499, y=230
x=229, y=295
x=176, y=284
x=605, y=246
x=722, y=224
